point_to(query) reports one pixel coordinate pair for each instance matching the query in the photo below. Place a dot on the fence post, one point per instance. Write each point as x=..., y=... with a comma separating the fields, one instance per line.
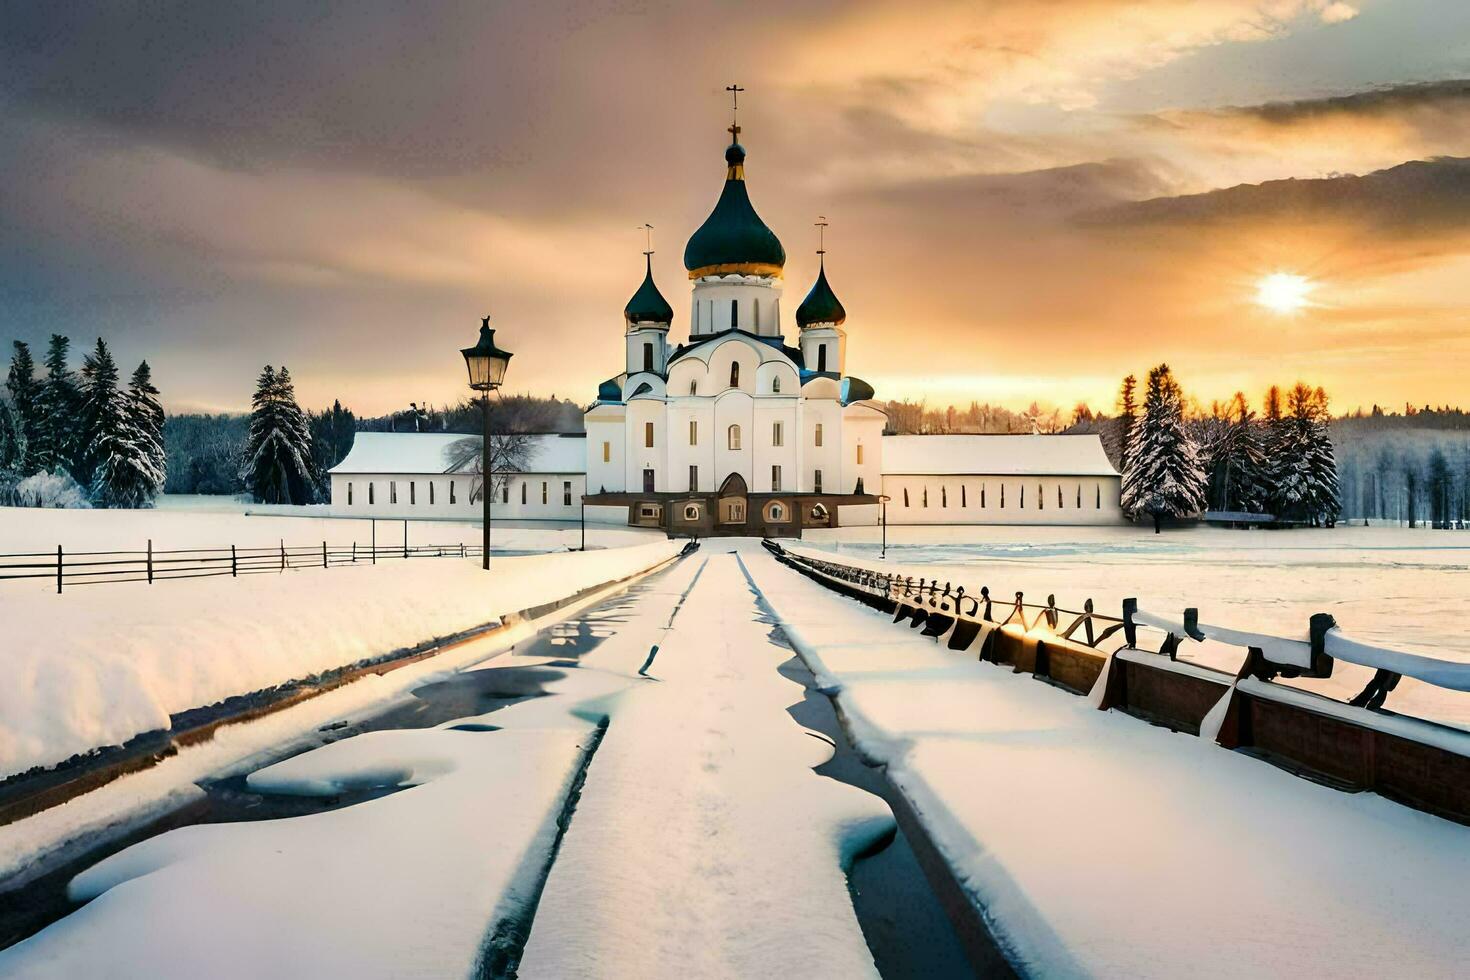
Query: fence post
x=354, y=551
x=375, y=542
x=58, y=569
x=234, y=565
x=283, y=554
x=405, y=537
x=324, y=554
x=150, y=561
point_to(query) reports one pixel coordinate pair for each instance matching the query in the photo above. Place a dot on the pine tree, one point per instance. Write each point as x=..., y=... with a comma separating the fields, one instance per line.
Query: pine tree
x=1127, y=415
x=1241, y=469
x=55, y=440
x=277, y=465
x=147, y=416
x=12, y=452
x=23, y=387
x=332, y=433
x=1161, y=473
x=1326, y=493
x=117, y=455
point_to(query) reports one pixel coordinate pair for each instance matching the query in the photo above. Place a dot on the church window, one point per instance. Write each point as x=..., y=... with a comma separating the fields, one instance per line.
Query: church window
x=963, y=502
x=451, y=491
x=734, y=313
x=925, y=498
x=943, y=495
x=905, y=496
x=566, y=493
x=735, y=375
x=821, y=357
x=860, y=454
x=776, y=434
x=1059, y=496
x=1040, y=498
x=648, y=434
x=1002, y=495
x=775, y=512
x=412, y=492
x=431, y=493
x=370, y=493
x=732, y=437
x=817, y=434
x=606, y=454
x=776, y=386
x=543, y=492
x=775, y=479
x=817, y=481
x=504, y=490
x=694, y=387
x=693, y=432
x=523, y=493
x=691, y=512
x=982, y=495
x=1098, y=505
x=1022, y=504
x=755, y=311
x=1079, y=496
x=392, y=491
x=648, y=357
x=693, y=479
x=349, y=493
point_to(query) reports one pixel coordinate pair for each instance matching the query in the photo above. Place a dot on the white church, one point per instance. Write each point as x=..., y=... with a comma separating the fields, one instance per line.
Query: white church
x=735, y=431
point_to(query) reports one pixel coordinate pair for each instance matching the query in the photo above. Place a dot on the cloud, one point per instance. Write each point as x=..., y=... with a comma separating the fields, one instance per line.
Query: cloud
x=1337, y=12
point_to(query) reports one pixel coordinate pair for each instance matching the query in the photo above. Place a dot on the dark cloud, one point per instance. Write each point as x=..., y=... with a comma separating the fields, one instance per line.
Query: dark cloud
x=1449, y=96
x=1419, y=198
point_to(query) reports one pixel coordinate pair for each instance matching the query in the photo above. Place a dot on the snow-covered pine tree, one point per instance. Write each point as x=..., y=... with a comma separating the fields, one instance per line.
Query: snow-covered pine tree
x=12, y=452
x=55, y=440
x=277, y=465
x=1325, y=497
x=1127, y=414
x=1161, y=473
x=21, y=383
x=1241, y=469
x=148, y=418
x=117, y=455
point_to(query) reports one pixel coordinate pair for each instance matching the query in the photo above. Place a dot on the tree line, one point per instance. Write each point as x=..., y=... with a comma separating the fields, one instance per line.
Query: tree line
x=1281, y=463
x=79, y=438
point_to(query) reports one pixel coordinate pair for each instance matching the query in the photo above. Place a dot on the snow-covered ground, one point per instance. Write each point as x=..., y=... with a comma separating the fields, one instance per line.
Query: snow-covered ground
x=1396, y=587
x=702, y=844
x=218, y=522
x=94, y=667
x=1098, y=845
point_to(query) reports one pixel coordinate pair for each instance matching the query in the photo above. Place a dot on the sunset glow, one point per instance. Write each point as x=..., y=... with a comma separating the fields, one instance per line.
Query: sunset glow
x=1284, y=292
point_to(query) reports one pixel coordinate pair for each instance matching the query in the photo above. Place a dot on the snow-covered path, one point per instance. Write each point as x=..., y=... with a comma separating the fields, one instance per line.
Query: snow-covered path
x=704, y=845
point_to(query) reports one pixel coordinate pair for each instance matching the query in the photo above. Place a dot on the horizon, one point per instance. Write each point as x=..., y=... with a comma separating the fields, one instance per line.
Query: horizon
x=1024, y=204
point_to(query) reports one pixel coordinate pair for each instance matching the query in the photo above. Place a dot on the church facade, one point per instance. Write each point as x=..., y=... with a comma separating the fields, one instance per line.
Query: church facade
x=735, y=431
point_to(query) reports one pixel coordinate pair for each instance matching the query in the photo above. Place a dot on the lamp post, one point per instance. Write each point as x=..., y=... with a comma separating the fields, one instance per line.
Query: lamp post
x=883, y=499
x=486, y=364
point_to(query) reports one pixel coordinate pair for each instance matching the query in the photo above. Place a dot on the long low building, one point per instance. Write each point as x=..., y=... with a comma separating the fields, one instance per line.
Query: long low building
x=430, y=474
x=938, y=479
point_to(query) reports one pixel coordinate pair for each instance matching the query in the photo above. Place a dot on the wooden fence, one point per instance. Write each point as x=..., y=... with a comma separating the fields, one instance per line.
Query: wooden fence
x=153, y=565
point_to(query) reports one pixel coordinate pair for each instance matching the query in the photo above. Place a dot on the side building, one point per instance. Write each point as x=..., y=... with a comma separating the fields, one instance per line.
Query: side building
x=430, y=475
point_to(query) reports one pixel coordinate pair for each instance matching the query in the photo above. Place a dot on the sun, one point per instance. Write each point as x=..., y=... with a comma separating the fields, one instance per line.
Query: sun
x=1284, y=292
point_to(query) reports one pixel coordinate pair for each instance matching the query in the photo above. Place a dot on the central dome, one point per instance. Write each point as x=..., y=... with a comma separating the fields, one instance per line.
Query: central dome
x=734, y=240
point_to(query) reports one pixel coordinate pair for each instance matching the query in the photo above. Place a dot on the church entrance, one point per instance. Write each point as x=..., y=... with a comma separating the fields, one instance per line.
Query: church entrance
x=732, y=500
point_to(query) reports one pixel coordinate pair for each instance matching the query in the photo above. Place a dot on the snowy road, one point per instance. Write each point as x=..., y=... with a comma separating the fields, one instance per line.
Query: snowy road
x=581, y=818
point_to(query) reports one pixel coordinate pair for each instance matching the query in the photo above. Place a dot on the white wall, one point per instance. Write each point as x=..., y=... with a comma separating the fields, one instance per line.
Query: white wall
x=710, y=310
x=415, y=490
x=605, y=425
x=977, y=500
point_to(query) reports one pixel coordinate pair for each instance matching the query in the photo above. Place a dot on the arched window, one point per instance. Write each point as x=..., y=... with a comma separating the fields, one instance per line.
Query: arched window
x=776, y=386
x=734, y=313
x=691, y=512
x=905, y=496
x=694, y=387
x=943, y=495
x=648, y=357
x=732, y=437
x=821, y=357
x=735, y=374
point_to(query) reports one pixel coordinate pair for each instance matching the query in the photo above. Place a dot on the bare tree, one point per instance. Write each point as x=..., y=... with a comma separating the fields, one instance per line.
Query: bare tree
x=509, y=453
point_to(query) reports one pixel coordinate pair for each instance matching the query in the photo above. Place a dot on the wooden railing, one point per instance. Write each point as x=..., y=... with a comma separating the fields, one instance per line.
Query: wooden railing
x=154, y=565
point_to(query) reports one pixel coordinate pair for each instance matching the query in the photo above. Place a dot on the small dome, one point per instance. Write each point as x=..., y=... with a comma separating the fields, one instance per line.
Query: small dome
x=734, y=240
x=648, y=304
x=610, y=391
x=821, y=304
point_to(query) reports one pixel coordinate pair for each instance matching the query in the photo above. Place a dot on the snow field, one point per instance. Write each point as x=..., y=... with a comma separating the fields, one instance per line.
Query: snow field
x=95, y=667
x=1394, y=587
x=702, y=845
x=1097, y=845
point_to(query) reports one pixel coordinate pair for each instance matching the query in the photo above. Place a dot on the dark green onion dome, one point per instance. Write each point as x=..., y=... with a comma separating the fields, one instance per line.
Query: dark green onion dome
x=821, y=304
x=648, y=304
x=733, y=239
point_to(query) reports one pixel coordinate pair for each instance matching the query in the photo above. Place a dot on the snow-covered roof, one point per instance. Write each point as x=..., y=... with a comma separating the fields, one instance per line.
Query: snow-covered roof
x=997, y=455
x=428, y=452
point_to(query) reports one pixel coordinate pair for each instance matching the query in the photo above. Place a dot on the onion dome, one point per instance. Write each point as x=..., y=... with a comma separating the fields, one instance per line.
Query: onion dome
x=821, y=304
x=610, y=391
x=734, y=240
x=648, y=304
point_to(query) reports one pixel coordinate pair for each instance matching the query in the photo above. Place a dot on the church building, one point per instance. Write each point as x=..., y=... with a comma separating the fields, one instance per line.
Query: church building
x=735, y=431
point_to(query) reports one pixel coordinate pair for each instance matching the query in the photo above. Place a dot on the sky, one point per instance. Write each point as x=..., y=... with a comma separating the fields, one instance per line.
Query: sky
x=1027, y=199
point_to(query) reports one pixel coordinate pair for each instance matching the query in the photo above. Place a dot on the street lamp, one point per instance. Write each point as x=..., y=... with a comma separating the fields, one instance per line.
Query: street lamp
x=486, y=364
x=883, y=499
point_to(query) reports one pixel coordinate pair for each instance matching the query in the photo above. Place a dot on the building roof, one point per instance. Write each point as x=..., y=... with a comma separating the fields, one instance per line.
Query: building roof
x=429, y=452
x=995, y=455
x=648, y=304
x=821, y=304
x=734, y=239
